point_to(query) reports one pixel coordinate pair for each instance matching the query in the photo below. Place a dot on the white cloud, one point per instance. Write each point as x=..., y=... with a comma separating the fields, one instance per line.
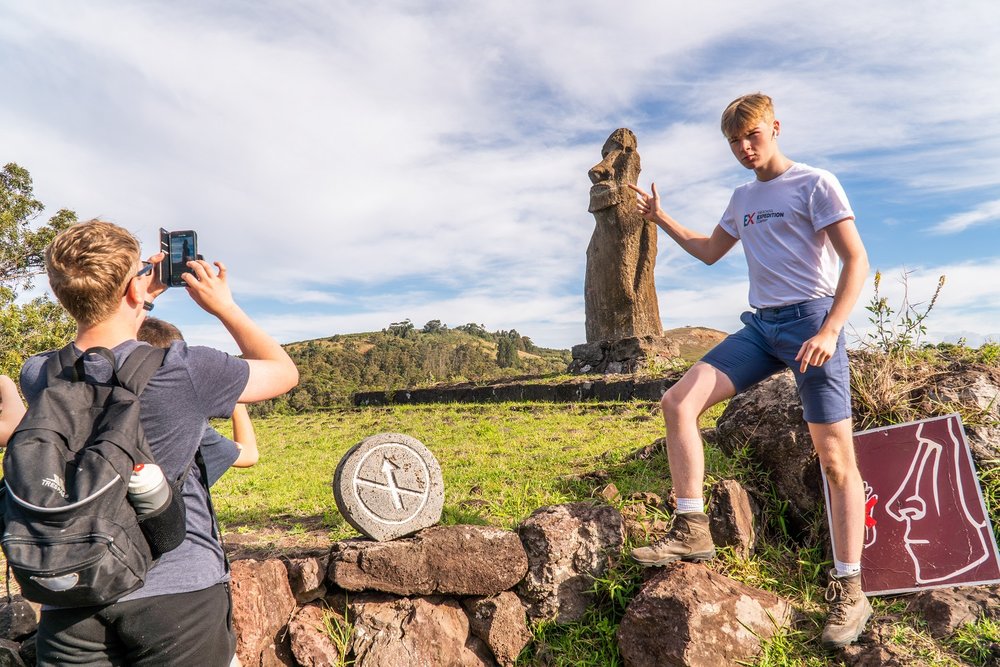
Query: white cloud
x=436, y=155
x=988, y=212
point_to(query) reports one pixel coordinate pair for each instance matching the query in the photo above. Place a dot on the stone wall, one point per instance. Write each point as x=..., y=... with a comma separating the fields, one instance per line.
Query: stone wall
x=611, y=388
x=466, y=595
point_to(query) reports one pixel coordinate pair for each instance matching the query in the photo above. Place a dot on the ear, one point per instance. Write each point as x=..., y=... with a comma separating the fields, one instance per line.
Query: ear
x=777, y=129
x=134, y=294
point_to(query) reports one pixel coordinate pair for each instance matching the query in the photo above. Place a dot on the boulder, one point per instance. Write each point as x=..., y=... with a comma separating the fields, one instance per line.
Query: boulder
x=262, y=605
x=307, y=576
x=310, y=643
x=10, y=655
x=767, y=420
x=567, y=546
x=687, y=614
x=432, y=630
x=29, y=650
x=732, y=517
x=18, y=619
x=974, y=389
x=946, y=609
x=499, y=621
x=457, y=560
x=877, y=647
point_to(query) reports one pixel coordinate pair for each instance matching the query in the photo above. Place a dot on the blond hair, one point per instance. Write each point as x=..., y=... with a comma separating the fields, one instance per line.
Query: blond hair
x=89, y=265
x=746, y=112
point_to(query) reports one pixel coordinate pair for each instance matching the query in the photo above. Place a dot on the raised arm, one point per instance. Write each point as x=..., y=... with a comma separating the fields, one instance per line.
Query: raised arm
x=272, y=372
x=11, y=409
x=708, y=249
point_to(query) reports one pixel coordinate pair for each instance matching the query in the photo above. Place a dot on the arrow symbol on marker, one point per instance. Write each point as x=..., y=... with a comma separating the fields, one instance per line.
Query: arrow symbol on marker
x=389, y=470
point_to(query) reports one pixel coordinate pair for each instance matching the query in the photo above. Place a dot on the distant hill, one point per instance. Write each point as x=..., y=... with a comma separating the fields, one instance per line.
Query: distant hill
x=401, y=355
x=694, y=342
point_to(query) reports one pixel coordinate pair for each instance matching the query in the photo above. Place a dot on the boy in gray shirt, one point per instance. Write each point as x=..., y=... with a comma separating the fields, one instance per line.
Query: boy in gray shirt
x=796, y=226
x=182, y=615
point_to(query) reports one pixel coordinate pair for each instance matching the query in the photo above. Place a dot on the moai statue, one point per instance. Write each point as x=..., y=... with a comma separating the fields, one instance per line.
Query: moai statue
x=619, y=292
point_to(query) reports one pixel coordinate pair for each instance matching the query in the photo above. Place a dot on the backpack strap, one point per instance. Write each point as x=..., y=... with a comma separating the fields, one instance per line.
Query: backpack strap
x=61, y=366
x=135, y=372
x=139, y=367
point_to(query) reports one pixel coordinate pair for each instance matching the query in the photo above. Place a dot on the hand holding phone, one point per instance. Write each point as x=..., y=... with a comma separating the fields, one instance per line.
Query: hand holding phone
x=180, y=248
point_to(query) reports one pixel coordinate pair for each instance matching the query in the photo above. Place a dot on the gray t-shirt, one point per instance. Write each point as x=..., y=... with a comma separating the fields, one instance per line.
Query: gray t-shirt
x=781, y=224
x=193, y=385
x=218, y=452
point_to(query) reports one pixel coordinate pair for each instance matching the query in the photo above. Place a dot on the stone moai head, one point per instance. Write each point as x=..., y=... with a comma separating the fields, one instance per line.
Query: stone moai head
x=618, y=167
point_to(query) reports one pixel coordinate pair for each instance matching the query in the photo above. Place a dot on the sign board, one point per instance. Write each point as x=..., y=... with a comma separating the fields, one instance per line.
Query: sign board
x=926, y=524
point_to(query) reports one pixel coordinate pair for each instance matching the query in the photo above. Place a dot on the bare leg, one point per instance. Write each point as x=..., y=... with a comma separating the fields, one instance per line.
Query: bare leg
x=701, y=387
x=835, y=447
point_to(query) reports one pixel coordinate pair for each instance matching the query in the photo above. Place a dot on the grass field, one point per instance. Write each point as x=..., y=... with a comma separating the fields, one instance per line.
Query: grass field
x=501, y=462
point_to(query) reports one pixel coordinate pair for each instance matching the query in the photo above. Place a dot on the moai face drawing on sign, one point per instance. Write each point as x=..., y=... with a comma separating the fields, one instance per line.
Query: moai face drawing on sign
x=934, y=493
x=619, y=292
x=926, y=524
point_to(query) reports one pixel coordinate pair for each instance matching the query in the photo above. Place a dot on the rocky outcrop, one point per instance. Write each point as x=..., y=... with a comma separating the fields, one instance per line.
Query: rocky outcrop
x=459, y=560
x=262, y=605
x=976, y=390
x=947, y=609
x=307, y=577
x=309, y=640
x=688, y=615
x=684, y=613
x=432, y=630
x=567, y=547
x=499, y=621
x=767, y=420
x=732, y=517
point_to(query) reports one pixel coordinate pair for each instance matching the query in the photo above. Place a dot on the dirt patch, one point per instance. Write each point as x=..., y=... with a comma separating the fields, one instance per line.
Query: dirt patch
x=308, y=538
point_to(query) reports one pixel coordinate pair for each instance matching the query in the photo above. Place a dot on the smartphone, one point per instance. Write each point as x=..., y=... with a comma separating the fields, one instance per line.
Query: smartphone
x=180, y=248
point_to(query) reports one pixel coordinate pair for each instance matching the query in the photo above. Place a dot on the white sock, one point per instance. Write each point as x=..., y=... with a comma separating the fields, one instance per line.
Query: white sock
x=845, y=569
x=688, y=505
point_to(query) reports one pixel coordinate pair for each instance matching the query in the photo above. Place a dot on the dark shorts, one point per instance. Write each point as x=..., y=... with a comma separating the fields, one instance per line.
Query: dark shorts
x=768, y=344
x=178, y=629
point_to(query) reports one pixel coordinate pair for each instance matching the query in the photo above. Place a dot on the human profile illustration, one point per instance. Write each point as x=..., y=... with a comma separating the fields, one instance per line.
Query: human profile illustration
x=926, y=524
x=933, y=494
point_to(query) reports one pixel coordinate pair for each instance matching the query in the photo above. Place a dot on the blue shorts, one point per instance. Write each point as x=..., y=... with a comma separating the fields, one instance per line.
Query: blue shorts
x=768, y=344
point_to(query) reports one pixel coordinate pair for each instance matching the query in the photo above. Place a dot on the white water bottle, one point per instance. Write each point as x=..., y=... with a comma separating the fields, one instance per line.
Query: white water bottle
x=148, y=490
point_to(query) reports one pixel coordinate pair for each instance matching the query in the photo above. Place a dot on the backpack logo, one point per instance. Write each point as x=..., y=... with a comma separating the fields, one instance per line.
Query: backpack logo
x=56, y=484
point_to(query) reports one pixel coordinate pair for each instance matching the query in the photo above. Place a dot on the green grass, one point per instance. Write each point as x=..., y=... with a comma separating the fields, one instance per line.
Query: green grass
x=502, y=461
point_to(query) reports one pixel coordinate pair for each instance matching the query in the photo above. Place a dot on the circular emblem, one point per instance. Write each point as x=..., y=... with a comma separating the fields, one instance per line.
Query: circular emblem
x=389, y=485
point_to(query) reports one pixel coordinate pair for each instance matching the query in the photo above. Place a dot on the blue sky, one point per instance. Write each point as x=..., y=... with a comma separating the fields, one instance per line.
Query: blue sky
x=357, y=163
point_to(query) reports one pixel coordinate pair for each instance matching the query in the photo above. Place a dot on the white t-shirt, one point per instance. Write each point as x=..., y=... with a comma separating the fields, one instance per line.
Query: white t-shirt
x=780, y=223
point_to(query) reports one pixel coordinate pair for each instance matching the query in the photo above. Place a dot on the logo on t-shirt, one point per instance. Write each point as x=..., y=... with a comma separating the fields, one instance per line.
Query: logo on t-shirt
x=760, y=217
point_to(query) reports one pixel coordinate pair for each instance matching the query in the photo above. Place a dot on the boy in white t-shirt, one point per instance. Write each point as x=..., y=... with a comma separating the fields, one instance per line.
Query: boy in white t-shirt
x=796, y=225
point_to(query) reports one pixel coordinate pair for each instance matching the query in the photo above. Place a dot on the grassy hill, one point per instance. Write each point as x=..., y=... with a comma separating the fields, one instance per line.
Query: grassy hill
x=332, y=369
x=401, y=356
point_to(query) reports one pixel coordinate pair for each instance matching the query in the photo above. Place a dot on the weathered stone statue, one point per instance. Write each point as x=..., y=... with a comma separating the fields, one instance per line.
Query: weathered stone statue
x=624, y=331
x=619, y=292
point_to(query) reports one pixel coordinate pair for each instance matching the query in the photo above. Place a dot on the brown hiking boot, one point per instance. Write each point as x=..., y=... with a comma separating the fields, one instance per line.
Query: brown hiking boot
x=688, y=539
x=849, y=611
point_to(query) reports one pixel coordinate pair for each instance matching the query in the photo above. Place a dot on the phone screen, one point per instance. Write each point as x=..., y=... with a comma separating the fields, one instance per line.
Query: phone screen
x=183, y=249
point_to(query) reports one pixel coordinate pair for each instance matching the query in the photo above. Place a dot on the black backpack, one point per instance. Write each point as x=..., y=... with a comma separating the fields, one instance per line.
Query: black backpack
x=70, y=535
